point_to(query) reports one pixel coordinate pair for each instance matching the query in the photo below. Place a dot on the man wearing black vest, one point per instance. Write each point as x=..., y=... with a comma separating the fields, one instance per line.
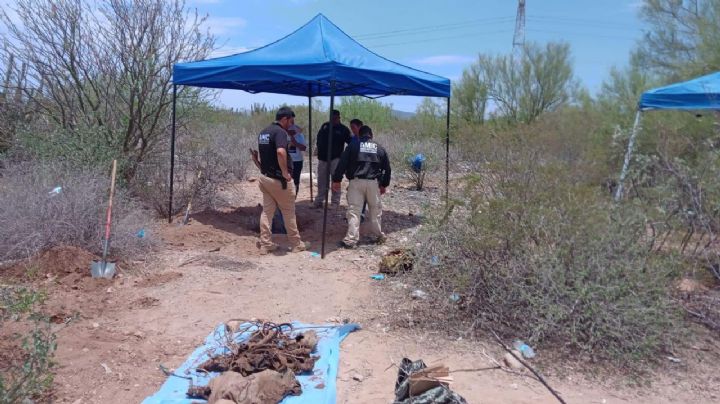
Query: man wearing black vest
x=328, y=160
x=276, y=167
x=366, y=165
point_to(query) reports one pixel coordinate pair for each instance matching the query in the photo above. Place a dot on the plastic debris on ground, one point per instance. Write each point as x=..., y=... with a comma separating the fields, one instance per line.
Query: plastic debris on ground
x=377, y=277
x=526, y=351
x=419, y=294
x=315, y=254
x=417, y=383
x=317, y=373
x=55, y=191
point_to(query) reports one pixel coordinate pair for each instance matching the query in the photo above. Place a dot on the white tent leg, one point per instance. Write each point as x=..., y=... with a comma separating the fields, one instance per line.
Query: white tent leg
x=628, y=154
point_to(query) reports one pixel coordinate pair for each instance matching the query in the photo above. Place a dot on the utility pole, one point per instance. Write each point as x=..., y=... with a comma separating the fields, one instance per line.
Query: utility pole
x=519, y=35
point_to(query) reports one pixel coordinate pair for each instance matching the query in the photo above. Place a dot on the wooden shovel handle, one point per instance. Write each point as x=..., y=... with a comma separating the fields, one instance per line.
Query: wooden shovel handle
x=112, y=192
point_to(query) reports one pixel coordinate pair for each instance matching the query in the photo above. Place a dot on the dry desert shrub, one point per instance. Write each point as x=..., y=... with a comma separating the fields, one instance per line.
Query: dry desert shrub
x=33, y=218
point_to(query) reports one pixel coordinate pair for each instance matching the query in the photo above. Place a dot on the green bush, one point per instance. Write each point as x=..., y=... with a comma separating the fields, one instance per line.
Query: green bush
x=536, y=249
x=27, y=372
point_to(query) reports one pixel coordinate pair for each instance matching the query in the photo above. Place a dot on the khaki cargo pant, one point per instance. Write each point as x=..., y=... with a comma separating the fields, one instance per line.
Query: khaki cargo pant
x=323, y=179
x=358, y=192
x=275, y=197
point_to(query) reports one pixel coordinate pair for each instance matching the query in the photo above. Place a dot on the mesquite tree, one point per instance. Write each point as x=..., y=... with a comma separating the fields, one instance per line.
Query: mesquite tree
x=101, y=71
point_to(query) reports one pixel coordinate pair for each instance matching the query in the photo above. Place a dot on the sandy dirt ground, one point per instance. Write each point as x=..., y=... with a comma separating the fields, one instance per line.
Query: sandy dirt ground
x=112, y=335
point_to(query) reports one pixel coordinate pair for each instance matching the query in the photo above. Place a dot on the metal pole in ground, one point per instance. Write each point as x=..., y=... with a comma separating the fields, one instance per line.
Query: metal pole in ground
x=447, y=154
x=309, y=132
x=172, y=153
x=329, y=162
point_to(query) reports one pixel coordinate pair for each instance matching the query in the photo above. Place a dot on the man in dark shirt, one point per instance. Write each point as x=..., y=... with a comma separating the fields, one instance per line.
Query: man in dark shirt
x=366, y=165
x=327, y=162
x=276, y=168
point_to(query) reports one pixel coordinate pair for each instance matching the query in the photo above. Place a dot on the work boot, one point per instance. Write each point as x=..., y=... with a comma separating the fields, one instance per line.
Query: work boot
x=381, y=239
x=265, y=250
x=303, y=246
x=347, y=246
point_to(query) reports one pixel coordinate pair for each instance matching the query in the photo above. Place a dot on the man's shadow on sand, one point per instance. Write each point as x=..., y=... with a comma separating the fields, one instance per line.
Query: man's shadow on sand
x=245, y=221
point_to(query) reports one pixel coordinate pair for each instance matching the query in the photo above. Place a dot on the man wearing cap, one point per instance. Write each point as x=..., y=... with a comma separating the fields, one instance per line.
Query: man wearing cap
x=355, y=125
x=328, y=159
x=276, y=168
x=366, y=165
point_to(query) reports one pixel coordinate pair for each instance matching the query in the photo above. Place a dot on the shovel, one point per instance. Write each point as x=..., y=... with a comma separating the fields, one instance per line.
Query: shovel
x=187, y=212
x=104, y=269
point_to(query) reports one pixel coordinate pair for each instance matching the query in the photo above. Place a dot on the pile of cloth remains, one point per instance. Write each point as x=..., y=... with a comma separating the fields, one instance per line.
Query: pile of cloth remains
x=429, y=390
x=272, y=352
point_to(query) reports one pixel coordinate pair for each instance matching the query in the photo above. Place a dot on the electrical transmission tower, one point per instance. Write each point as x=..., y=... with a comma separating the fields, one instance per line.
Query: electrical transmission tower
x=519, y=36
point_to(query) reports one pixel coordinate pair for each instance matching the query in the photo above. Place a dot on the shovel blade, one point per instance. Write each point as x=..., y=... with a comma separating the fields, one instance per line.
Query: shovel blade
x=101, y=269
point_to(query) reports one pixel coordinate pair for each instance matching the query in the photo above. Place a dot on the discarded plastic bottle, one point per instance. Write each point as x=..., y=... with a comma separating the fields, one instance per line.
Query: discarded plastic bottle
x=526, y=351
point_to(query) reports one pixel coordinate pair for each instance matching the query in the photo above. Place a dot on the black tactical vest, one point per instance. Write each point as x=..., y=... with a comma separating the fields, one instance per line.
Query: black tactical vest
x=368, y=152
x=267, y=148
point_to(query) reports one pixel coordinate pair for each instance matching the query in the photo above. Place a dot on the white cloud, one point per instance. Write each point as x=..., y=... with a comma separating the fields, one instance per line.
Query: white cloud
x=225, y=25
x=440, y=60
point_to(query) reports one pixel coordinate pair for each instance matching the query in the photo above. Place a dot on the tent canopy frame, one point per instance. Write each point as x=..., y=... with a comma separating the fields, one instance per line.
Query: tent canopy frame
x=339, y=67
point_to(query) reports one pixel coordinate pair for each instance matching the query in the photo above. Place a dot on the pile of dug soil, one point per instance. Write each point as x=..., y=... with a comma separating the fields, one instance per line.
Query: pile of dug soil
x=62, y=273
x=60, y=261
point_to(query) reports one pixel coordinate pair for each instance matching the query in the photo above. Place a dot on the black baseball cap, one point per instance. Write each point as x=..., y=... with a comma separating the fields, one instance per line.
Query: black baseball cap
x=284, y=112
x=365, y=131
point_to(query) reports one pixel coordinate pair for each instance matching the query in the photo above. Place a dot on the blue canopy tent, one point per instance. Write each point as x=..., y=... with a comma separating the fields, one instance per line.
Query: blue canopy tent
x=318, y=59
x=702, y=93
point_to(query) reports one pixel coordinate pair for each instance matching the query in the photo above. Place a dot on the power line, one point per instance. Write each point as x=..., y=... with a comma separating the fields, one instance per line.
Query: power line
x=579, y=21
x=572, y=33
x=382, y=45
x=559, y=21
x=496, y=20
x=501, y=31
x=432, y=28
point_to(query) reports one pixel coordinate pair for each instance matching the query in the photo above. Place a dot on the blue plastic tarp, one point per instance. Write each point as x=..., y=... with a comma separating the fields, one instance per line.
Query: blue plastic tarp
x=324, y=373
x=305, y=62
x=696, y=94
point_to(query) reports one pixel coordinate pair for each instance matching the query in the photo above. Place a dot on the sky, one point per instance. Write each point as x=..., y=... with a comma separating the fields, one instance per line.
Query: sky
x=440, y=37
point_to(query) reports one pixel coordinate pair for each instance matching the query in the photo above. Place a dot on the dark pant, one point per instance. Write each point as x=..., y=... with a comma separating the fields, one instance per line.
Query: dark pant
x=297, y=170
